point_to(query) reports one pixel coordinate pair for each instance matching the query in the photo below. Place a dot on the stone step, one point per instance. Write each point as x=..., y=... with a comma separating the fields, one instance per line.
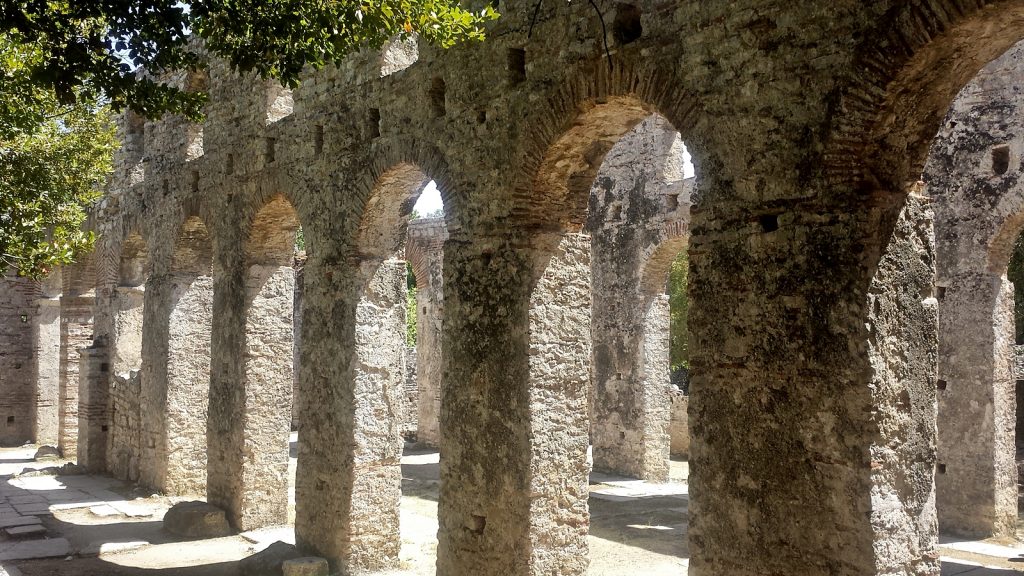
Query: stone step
x=25, y=531
x=31, y=549
x=19, y=521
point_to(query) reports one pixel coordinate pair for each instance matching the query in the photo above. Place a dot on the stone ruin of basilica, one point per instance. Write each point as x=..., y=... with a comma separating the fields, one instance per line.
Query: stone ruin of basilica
x=852, y=390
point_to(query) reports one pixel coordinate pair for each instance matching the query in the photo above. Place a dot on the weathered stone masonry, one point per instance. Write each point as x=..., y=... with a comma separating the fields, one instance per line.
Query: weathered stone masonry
x=812, y=324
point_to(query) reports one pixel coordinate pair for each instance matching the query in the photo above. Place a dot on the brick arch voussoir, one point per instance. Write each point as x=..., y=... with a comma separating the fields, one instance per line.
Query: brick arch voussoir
x=269, y=186
x=647, y=88
x=392, y=158
x=675, y=237
x=904, y=79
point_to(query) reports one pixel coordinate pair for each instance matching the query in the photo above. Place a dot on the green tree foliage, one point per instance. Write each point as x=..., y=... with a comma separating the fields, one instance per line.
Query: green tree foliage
x=1015, y=273
x=53, y=156
x=62, y=59
x=92, y=48
x=679, y=306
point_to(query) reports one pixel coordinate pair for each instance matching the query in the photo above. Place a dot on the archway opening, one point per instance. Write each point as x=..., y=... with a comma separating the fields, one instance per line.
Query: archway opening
x=124, y=444
x=611, y=197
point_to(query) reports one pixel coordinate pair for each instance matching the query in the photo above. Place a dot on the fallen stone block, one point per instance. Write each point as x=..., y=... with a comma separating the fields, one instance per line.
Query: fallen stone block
x=68, y=469
x=269, y=561
x=46, y=452
x=197, y=519
x=307, y=566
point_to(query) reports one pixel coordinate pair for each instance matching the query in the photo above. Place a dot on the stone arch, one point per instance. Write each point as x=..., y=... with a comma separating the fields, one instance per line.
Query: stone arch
x=567, y=140
x=271, y=234
x=657, y=264
x=550, y=202
x=389, y=189
x=385, y=217
x=979, y=214
x=134, y=265
x=267, y=377
x=907, y=72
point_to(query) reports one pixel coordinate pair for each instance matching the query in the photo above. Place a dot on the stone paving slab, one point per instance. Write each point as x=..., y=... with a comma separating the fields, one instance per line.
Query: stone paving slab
x=32, y=549
x=25, y=531
x=19, y=521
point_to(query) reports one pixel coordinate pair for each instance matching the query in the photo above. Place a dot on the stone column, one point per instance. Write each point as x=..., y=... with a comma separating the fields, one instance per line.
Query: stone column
x=188, y=384
x=655, y=387
x=812, y=402
x=514, y=408
x=46, y=336
x=349, y=432
x=976, y=482
x=268, y=386
x=429, y=318
x=76, y=332
x=250, y=394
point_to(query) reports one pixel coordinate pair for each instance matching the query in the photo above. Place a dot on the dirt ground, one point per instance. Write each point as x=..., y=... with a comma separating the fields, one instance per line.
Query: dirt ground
x=636, y=528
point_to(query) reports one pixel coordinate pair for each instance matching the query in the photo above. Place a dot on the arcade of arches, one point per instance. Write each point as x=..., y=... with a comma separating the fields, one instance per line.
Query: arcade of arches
x=851, y=388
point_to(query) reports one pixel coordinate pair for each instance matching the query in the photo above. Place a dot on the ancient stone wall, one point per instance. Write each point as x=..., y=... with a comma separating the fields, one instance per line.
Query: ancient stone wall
x=974, y=173
x=126, y=448
x=806, y=121
x=17, y=365
x=77, y=302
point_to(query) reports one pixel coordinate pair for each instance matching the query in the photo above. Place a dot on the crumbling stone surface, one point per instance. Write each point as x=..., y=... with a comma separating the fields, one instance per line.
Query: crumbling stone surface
x=196, y=519
x=46, y=452
x=424, y=249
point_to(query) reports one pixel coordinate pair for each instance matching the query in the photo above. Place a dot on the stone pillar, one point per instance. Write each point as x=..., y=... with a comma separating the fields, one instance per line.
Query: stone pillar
x=655, y=387
x=188, y=384
x=349, y=432
x=124, y=449
x=630, y=403
x=268, y=387
x=813, y=402
x=93, y=408
x=424, y=249
x=429, y=315
x=76, y=332
x=514, y=408
x=46, y=336
x=976, y=482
